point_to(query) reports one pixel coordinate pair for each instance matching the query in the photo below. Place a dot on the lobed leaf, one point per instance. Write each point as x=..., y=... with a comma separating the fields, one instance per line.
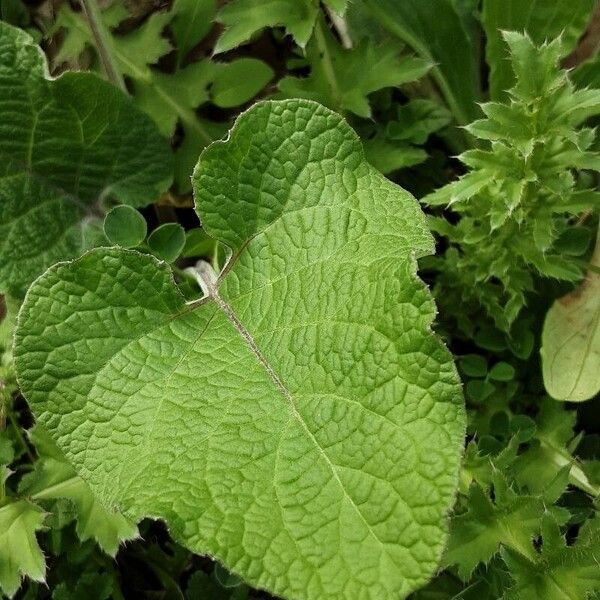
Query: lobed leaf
x=311, y=446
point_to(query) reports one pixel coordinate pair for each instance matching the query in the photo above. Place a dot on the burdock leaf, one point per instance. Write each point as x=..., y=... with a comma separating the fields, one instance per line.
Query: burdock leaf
x=300, y=423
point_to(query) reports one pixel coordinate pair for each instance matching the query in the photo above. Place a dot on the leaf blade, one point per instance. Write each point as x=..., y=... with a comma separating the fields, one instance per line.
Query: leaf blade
x=272, y=419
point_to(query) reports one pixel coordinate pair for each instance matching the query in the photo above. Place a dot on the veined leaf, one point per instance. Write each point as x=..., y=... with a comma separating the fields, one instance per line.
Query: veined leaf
x=65, y=145
x=558, y=571
x=543, y=21
x=571, y=341
x=310, y=446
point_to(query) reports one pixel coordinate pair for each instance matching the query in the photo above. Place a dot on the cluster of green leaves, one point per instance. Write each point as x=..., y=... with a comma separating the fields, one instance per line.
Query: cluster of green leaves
x=518, y=201
x=522, y=492
x=177, y=84
x=105, y=339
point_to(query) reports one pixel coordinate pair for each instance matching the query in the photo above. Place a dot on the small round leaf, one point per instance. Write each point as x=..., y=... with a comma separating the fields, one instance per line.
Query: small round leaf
x=167, y=241
x=502, y=371
x=474, y=365
x=124, y=226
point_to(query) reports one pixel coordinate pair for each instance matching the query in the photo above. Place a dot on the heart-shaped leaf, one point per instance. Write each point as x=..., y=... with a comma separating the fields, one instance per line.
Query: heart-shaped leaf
x=300, y=423
x=65, y=144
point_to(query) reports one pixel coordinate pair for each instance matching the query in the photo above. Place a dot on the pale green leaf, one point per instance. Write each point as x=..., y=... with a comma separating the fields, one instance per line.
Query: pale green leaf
x=20, y=554
x=66, y=144
x=542, y=20
x=571, y=341
x=301, y=424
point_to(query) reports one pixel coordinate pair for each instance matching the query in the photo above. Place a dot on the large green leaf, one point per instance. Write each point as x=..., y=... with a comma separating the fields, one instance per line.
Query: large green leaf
x=300, y=423
x=436, y=32
x=542, y=20
x=65, y=145
x=571, y=340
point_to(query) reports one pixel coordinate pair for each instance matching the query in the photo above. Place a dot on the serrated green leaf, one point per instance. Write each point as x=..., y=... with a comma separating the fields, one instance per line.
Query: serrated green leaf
x=75, y=30
x=20, y=554
x=143, y=46
x=571, y=341
x=558, y=571
x=312, y=447
x=435, y=31
x=541, y=20
x=54, y=478
x=66, y=144
x=417, y=120
x=549, y=452
x=509, y=520
x=243, y=18
x=343, y=79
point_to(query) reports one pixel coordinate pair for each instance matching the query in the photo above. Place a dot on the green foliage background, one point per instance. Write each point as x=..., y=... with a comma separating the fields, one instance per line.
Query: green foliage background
x=487, y=128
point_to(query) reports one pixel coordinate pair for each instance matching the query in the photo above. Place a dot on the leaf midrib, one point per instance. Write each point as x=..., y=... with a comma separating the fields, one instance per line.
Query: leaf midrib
x=252, y=345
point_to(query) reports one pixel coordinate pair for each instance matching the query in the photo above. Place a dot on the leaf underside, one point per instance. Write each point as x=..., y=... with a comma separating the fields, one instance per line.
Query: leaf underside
x=300, y=424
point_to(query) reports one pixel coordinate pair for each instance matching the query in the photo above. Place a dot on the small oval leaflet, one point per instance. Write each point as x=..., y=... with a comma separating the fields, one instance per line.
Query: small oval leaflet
x=301, y=424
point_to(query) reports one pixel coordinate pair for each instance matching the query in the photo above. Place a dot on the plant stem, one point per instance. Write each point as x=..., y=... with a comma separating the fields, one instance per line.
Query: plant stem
x=103, y=43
